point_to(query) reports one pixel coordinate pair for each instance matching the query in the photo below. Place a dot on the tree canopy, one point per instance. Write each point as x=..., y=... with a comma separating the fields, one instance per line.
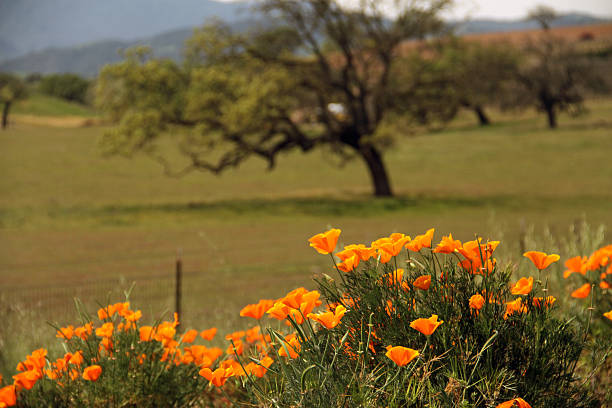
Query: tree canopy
x=321, y=76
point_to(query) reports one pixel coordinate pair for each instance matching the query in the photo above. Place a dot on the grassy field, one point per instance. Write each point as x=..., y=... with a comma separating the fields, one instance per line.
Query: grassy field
x=70, y=217
x=37, y=104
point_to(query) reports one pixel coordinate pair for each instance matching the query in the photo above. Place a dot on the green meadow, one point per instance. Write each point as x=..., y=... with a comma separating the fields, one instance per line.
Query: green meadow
x=70, y=216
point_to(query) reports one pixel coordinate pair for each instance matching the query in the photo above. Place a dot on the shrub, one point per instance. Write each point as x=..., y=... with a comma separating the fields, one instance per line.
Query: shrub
x=71, y=87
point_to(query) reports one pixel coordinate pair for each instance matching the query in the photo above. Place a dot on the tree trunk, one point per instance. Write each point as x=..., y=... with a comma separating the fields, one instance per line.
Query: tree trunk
x=378, y=173
x=552, y=116
x=483, y=119
x=5, y=112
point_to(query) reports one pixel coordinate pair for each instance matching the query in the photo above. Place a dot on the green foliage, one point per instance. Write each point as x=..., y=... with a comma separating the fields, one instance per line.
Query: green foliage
x=70, y=87
x=481, y=75
x=136, y=369
x=144, y=94
x=474, y=359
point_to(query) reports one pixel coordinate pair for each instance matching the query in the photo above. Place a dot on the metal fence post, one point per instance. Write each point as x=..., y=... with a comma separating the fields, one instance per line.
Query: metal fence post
x=178, y=287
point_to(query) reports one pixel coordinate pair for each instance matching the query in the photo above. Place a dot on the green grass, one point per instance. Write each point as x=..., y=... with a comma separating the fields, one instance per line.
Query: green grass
x=43, y=105
x=70, y=217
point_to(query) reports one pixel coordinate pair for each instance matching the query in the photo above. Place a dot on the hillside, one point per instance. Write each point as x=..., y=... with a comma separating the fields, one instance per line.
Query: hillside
x=87, y=59
x=33, y=25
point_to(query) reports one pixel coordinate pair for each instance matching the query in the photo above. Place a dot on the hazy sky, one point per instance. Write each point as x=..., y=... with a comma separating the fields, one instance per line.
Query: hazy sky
x=519, y=8
x=512, y=9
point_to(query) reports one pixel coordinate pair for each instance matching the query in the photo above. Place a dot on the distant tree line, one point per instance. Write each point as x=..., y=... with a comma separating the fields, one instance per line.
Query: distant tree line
x=70, y=87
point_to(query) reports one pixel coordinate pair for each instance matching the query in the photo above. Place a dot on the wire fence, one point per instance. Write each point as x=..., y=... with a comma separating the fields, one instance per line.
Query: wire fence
x=57, y=302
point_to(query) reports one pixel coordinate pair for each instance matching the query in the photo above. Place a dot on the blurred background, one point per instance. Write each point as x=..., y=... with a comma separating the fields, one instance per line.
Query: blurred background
x=146, y=137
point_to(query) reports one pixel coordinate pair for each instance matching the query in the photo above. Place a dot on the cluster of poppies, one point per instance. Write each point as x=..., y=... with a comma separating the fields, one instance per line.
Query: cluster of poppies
x=473, y=257
x=95, y=347
x=599, y=263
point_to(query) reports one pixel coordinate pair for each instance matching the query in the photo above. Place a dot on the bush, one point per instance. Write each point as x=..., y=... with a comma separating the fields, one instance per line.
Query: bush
x=65, y=86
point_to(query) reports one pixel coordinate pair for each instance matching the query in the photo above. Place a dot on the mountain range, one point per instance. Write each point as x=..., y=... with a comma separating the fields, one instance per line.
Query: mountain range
x=81, y=36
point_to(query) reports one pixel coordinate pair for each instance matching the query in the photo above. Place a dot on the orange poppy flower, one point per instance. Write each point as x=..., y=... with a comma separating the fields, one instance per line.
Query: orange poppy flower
x=478, y=257
x=279, y=311
x=544, y=302
x=106, y=330
x=363, y=252
x=209, y=334
x=421, y=241
x=426, y=326
x=35, y=361
x=253, y=334
x=329, y=319
x=395, y=278
x=189, y=337
x=65, y=332
x=310, y=300
x=608, y=315
x=84, y=331
x=422, y=282
x=520, y=403
x=146, y=333
x=477, y=302
x=27, y=379
x=514, y=306
x=293, y=299
x=582, y=292
x=122, y=308
x=523, y=286
x=132, y=316
x=601, y=257
x=540, y=259
x=259, y=369
x=448, y=245
x=92, y=373
x=165, y=333
x=477, y=252
x=8, y=396
x=401, y=355
x=77, y=358
x=106, y=312
x=325, y=243
x=217, y=377
x=236, y=348
x=292, y=344
x=349, y=264
x=394, y=244
x=235, y=336
x=576, y=264
x=256, y=311
x=383, y=256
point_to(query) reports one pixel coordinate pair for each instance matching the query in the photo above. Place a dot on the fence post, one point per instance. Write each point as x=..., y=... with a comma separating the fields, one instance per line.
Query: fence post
x=178, y=287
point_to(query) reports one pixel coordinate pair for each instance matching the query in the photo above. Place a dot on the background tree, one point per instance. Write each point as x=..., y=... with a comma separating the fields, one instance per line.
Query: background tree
x=324, y=76
x=555, y=77
x=480, y=74
x=544, y=15
x=71, y=87
x=12, y=89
